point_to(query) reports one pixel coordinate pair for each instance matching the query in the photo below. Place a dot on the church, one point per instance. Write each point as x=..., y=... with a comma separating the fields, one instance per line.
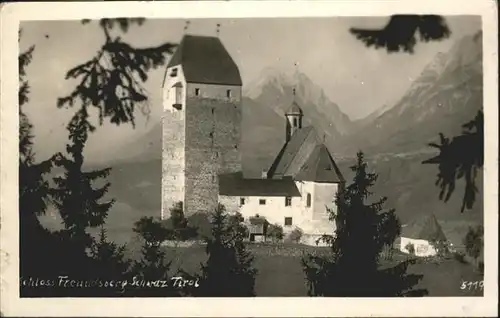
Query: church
x=201, y=157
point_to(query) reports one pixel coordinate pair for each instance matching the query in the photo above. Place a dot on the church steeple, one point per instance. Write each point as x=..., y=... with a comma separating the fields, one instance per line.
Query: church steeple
x=293, y=118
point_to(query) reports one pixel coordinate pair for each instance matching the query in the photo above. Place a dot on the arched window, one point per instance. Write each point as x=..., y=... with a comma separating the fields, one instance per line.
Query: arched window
x=308, y=201
x=177, y=91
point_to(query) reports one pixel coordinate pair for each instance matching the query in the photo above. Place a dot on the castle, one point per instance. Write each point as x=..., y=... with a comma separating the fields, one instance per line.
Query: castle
x=201, y=157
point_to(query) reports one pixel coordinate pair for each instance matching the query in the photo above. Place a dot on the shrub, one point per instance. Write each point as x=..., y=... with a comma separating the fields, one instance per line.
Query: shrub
x=410, y=248
x=275, y=232
x=460, y=257
x=295, y=235
x=177, y=225
x=201, y=222
x=235, y=222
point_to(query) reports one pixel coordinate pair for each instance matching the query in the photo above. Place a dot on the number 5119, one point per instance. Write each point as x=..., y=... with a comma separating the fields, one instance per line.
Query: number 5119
x=478, y=284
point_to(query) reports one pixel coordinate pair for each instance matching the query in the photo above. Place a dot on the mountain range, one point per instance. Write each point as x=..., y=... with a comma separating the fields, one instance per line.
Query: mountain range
x=395, y=138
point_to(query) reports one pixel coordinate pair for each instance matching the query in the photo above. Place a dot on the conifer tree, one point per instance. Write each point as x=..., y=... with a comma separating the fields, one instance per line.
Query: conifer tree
x=362, y=230
x=110, y=82
x=460, y=157
x=109, y=263
x=153, y=264
x=229, y=270
x=77, y=198
x=33, y=187
x=403, y=31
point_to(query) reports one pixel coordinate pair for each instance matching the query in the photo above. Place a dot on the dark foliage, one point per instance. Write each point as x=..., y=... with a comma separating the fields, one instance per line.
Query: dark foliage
x=34, y=240
x=153, y=265
x=76, y=197
x=460, y=157
x=109, y=262
x=201, y=222
x=235, y=221
x=178, y=225
x=402, y=32
x=295, y=235
x=228, y=271
x=362, y=231
x=275, y=232
x=112, y=80
x=474, y=243
x=410, y=248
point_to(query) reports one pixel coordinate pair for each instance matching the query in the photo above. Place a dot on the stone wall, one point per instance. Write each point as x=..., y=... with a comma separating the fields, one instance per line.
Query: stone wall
x=173, y=144
x=213, y=133
x=172, y=160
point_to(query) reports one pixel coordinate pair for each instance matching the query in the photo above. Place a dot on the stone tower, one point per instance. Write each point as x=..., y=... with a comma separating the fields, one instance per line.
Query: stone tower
x=293, y=119
x=201, y=124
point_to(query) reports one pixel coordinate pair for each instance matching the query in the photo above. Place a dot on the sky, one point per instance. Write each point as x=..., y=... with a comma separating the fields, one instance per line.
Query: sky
x=358, y=79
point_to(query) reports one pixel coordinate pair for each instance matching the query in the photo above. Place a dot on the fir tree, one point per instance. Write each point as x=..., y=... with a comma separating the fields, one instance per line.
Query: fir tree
x=229, y=270
x=110, y=82
x=363, y=229
x=79, y=202
x=152, y=265
x=402, y=32
x=460, y=157
x=33, y=188
x=109, y=263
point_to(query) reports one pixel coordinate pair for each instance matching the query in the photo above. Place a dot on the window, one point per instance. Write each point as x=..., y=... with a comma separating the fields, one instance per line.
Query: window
x=228, y=93
x=262, y=201
x=178, y=95
x=288, y=201
x=197, y=91
x=295, y=122
x=308, y=200
x=288, y=221
x=181, y=205
x=242, y=201
x=173, y=73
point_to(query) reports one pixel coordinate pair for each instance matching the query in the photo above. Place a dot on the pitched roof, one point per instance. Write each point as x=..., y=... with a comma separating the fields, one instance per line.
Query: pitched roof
x=431, y=230
x=289, y=151
x=320, y=167
x=205, y=60
x=234, y=184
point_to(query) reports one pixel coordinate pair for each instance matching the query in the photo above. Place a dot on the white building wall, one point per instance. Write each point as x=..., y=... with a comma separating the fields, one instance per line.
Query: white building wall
x=274, y=209
x=423, y=248
x=173, y=142
x=313, y=220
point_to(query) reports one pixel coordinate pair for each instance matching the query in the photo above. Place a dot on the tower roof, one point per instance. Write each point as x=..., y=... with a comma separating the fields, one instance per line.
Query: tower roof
x=301, y=138
x=205, y=60
x=294, y=109
x=320, y=167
